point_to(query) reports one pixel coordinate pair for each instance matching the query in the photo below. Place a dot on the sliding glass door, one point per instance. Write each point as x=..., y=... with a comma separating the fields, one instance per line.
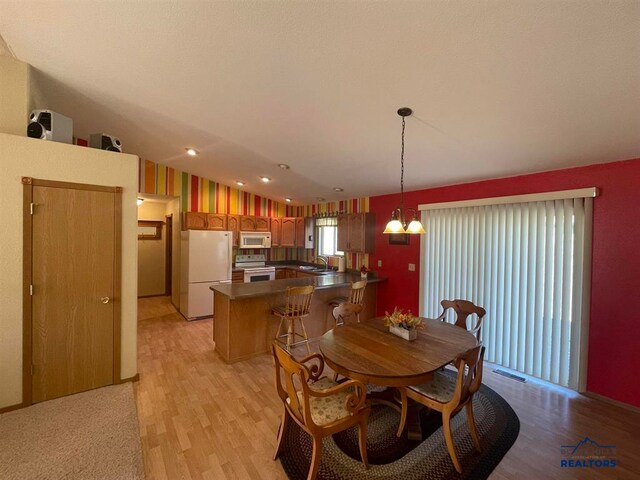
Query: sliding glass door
x=527, y=263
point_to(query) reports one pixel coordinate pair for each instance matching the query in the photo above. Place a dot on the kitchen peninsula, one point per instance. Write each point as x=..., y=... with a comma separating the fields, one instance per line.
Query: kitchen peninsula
x=243, y=326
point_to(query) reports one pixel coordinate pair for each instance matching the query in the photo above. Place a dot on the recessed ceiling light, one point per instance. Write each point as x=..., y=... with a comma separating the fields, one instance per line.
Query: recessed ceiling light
x=265, y=179
x=338, y=189
x=139, y=201
x=284, y=166
x=192, y=152
x=321, y=199
x=240, y=183
x=287, y=199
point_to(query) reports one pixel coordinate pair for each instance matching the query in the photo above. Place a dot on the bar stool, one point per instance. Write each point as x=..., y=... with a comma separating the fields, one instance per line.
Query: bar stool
x=356, y=296
x=297, y=307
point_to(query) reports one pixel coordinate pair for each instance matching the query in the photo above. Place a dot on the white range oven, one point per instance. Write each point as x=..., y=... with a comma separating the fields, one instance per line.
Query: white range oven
x=254, y=268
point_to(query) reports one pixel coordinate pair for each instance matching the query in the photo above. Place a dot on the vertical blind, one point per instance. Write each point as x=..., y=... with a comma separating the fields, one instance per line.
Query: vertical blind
x=525, y=264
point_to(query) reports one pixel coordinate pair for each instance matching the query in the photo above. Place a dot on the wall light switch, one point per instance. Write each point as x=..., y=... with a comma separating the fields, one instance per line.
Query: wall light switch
x=379, y=263
x=412, y=267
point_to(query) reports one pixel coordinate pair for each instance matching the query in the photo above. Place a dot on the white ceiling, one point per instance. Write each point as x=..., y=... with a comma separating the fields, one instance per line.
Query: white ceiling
x=498, y=88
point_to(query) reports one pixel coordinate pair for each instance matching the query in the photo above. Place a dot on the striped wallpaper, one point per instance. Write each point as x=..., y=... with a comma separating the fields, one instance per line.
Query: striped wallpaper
x=199, y=194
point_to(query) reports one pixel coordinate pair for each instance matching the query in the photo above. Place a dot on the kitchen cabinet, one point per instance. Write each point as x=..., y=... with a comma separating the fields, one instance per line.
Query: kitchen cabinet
x=194, y=221
x=263, y=224
x=300, y=232
x=247, y=223
x=288, y=235
x=281, y=273
x=291, y=273
x=233, y=225
x=237, y=276
x=216, y=221
x=276, y=230
x=301, y=274
x=356, y=232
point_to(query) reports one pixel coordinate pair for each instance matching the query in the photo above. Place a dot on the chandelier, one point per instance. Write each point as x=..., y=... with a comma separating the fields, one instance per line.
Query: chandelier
x=398, y=222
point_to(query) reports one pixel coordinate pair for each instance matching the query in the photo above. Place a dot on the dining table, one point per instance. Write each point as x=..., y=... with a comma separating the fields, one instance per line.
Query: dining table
x=369, y=352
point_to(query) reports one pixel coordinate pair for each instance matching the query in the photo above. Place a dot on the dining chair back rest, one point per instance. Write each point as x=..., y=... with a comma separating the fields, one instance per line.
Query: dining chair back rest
x=299, y=300
x=293, y=372
x=469, y=377
x=356, y=295
x=345, y=312
x=463, y=310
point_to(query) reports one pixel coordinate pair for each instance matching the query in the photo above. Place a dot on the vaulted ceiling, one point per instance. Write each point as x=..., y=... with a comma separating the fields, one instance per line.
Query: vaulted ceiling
x=497, y=88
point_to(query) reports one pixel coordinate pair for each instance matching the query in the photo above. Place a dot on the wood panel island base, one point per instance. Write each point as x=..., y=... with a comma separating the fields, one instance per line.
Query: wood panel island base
x=243, y=326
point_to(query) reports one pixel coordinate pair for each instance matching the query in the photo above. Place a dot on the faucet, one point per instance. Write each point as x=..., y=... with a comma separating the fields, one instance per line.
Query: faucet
x=325, y=260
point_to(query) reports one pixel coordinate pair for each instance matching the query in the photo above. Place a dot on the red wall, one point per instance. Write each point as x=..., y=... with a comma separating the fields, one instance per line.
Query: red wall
x=614, y=330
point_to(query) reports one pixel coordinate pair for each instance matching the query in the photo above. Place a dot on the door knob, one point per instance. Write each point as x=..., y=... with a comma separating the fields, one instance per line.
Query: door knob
x=105, y=299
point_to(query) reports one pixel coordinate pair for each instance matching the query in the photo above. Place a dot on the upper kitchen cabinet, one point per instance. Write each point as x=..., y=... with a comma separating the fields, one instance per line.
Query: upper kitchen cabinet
x=216, y=221
x=276, y=231
x=300, y=232
x=247, y=223
x=263, y=224
x=194, y=221
x=356, y=232
x=288, y=232
x=233, y=225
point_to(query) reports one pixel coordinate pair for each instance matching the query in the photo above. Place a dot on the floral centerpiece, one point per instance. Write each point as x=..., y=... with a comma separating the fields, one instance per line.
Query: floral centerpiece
x=404, y=325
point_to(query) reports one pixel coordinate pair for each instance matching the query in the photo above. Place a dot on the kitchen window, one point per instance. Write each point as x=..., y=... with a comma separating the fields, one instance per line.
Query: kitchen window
x=327, y=235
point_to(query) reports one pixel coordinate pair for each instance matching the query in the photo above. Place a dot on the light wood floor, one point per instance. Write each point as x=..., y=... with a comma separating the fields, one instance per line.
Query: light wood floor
x=203, y=419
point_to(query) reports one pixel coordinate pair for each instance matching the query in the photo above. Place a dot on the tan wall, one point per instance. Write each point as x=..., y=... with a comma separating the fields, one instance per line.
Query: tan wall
x=14, y=96
x=22, y=156
x=151, y=253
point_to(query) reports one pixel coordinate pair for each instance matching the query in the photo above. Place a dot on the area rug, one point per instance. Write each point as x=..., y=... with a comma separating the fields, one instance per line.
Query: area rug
x=399, y=458
x=91, y=435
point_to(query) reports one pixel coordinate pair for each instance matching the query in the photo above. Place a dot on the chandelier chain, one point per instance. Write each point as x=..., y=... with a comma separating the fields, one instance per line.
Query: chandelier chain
x=402, y=174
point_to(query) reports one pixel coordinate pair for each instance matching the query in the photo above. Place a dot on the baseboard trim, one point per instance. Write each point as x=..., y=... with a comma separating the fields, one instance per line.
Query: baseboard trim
x=135, y=378
x=153, y=295
x=611, y=401
x=12, y=407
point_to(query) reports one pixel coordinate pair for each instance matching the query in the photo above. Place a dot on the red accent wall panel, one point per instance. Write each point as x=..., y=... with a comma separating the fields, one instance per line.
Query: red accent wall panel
x=615, y=287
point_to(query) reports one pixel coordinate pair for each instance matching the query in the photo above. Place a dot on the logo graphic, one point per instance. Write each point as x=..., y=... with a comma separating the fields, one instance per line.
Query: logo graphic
x=588, y=453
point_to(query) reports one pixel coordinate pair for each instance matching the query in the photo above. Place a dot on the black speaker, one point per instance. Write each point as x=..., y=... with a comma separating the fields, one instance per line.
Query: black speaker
x=103, y=141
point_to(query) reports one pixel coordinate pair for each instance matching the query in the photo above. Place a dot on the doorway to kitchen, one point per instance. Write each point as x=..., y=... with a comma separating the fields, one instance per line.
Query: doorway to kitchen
x=158, y=247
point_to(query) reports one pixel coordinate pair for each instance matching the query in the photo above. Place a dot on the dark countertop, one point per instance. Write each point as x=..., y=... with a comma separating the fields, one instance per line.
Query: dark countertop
x=272, y=287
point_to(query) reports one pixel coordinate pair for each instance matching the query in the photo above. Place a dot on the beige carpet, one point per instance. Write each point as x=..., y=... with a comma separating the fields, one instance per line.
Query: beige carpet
x=91, y=435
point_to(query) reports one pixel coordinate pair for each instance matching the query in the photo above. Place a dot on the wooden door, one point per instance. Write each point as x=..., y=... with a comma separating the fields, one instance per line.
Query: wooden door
x=216, y=221
x=75, y=277
x=276, y=230
x=300, y=232
x=194, y=221
x=356, y=232
x=288, y=235
x=263, y=224
x=233, y=225
x=247, y=224
x=343, y=233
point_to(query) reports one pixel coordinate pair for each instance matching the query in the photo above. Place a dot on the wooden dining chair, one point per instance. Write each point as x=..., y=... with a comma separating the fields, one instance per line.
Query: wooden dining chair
x=463, y=310
x=297, y=307
x=448, y=395
x=356, y=296
x=346, y=312
x=320, y=406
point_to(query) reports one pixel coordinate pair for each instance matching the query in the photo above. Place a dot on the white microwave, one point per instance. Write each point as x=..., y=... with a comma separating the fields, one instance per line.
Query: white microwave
x=255, y=240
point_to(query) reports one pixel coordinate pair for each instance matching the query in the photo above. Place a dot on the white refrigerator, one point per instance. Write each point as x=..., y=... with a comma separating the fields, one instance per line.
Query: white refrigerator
x=205, y=260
